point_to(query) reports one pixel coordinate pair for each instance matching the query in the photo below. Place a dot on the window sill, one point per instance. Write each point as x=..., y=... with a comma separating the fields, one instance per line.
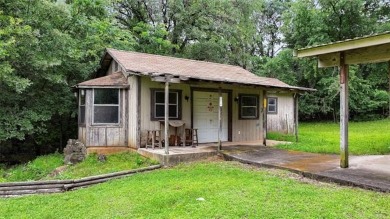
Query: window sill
x=106, y=125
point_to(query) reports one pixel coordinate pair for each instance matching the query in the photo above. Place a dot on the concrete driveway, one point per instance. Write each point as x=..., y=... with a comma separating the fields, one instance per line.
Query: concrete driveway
x=370, y=172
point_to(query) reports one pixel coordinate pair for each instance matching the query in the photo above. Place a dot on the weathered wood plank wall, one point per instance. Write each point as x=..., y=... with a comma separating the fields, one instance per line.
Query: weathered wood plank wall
x=283, y=120
x=242, y=130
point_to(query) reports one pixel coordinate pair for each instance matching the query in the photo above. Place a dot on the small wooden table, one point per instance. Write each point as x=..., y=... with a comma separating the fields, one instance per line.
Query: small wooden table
x=176, y=124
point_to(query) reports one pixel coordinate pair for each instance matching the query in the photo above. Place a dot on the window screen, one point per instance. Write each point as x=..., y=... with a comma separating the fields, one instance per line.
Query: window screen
x=106, y=106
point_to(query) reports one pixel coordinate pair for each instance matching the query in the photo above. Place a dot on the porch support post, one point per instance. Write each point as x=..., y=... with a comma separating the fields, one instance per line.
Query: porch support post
x=296, y=116
x=264, y=111
x=220, y=102
x=166, y=116
x=389, y=85
x=344, y=112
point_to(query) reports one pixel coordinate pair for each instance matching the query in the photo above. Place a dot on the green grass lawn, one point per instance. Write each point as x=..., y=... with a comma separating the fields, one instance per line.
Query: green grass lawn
x=229, y=189
x=41, y=167
x=371, y=137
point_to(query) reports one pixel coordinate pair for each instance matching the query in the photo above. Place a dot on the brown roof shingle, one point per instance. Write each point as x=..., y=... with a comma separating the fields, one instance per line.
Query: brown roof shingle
x=116, y=79
x=154, y=65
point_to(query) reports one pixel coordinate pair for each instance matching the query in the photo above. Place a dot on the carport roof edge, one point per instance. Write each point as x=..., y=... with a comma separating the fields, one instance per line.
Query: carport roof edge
x=340, y=46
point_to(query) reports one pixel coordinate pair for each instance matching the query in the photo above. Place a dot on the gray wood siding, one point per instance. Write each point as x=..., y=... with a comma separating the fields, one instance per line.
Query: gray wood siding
x=105, y=135
x=133, y=114
x=82, y=134
x=247, y=130
x=146, y=123
x=242, y=130
x=283, y=121
x=131, y=131
x=111, y=69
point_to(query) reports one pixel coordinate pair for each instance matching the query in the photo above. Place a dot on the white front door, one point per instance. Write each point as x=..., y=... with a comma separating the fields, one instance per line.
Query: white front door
x=205, y=115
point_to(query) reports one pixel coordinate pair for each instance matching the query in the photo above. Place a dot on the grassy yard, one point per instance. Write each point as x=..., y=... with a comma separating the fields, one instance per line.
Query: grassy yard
x=364, y=138
x=40, y=168
x=229, y=189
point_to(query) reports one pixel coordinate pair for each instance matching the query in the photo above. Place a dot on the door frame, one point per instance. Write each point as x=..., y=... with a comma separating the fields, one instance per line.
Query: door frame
x=229, y=107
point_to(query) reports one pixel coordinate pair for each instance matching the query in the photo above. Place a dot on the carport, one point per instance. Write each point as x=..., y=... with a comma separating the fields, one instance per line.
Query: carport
x=362, y=50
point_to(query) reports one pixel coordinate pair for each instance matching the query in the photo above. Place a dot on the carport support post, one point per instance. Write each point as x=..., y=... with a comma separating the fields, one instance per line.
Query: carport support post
x=343, y=112
x=388, y=66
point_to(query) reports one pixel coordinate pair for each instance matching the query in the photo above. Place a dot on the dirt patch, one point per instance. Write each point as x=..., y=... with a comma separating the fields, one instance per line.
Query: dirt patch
x=57, y=171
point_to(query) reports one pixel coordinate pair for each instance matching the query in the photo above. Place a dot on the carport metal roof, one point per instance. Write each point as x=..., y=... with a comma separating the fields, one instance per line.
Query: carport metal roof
x=361, y=50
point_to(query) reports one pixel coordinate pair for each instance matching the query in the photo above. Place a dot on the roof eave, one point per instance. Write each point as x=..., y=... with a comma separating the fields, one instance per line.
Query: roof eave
x=102, y=86
x=343, y=45
x=290, y=88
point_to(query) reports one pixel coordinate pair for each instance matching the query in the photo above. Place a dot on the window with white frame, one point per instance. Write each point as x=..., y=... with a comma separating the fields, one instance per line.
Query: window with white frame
x=106, y=106
x=272, y=106
x=249, y=106
x=81, y=106
x=158, y=104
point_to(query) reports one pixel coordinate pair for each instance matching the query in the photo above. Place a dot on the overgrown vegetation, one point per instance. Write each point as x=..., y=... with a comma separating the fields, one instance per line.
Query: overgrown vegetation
x=229, y=190
x=33, y=170
x=48, y=46
x=42, y=167
x=114, y=163
x=364, y=138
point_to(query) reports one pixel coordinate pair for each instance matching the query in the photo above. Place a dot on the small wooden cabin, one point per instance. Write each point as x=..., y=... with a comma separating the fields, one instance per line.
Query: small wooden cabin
x=126, y=99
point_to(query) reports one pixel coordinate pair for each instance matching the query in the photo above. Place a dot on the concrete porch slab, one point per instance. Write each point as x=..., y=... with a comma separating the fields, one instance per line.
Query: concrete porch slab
x=369, y=172
x=178, y=154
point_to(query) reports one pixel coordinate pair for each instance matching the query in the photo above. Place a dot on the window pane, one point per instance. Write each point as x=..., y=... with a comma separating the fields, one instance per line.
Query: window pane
x=158, y=104
x=249, y=112
x=160, y=111
x=271, y=108
x=106, y=96
x=271, y=101
x=82, y=115
x=160, y=98
x=106, y=114
x=82, y=97
x=248, y=101
x=173, y=97
x=172, y=111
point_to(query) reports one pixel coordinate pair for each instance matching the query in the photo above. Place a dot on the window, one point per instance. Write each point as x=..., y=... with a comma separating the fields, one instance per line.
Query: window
x=82, y=106
x=158, y=104
x=249, y=105
x=272, y=106
x=106, y=106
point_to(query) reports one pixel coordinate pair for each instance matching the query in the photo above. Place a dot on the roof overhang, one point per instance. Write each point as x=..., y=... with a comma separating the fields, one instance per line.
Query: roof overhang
x=114, y=80
x=96, y=86
x=161, y=77
x=368, y=49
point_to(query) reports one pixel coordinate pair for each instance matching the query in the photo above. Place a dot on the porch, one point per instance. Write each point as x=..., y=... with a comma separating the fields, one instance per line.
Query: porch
x=179, y=154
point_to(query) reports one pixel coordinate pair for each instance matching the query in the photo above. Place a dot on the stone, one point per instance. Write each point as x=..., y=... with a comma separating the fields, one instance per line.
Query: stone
x=74, y=152
x=102, y=158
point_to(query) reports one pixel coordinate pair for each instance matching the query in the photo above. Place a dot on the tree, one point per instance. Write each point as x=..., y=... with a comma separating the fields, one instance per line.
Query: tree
x=46, y=48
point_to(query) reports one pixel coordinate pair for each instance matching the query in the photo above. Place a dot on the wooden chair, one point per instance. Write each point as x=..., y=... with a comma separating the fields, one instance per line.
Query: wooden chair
x=191, y=137
x=153, y=138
